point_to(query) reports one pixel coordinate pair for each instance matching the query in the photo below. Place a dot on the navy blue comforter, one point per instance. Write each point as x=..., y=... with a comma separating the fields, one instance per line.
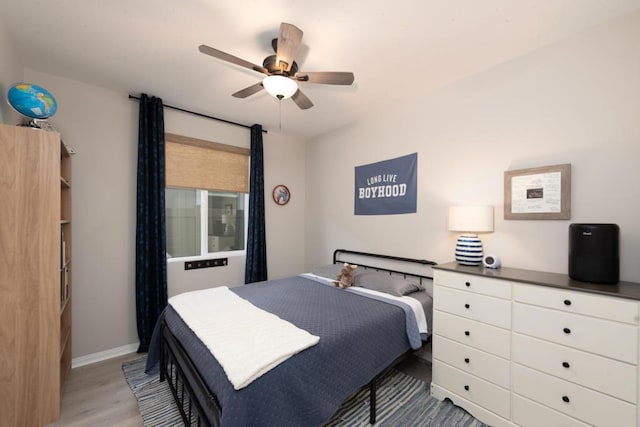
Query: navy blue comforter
x=359, y=337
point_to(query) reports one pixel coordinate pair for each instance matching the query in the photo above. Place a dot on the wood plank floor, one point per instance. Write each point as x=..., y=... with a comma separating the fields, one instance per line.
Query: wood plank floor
x=97, y=395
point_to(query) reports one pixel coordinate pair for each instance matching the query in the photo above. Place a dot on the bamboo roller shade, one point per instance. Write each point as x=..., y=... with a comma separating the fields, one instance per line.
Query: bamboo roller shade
x=196, y=163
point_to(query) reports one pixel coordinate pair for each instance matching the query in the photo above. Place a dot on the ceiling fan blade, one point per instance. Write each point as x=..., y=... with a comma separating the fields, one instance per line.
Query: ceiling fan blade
x=301, y=100
x=248, y=91
x=289, y=40
x=326, y=77
x=207, y=50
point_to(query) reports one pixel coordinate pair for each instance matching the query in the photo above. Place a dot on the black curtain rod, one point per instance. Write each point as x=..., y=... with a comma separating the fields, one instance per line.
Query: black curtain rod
x=199, y=114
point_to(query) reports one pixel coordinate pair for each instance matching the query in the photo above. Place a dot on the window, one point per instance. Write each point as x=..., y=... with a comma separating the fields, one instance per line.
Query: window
x=206, y=196
x=200, y=222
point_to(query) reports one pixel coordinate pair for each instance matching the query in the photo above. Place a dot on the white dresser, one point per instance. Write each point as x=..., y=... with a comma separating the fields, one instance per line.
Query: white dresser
x=519, y=347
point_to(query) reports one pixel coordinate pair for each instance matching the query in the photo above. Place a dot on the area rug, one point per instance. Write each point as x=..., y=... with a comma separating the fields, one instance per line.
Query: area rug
x=401, y=401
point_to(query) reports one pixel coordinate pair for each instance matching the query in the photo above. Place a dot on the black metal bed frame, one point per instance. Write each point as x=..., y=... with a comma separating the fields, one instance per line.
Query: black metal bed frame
x=425, y=262
x=198, y=407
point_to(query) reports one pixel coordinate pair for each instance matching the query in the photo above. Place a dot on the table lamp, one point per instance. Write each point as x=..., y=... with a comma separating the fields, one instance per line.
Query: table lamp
x=470, y=220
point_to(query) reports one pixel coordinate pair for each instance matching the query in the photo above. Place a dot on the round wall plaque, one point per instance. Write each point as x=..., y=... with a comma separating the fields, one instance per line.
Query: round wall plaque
x=281, y=194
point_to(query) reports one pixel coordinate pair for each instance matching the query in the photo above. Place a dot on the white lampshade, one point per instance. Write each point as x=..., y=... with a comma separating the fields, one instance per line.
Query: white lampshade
x=474, y=219
x=280, y=87
x=470, y=219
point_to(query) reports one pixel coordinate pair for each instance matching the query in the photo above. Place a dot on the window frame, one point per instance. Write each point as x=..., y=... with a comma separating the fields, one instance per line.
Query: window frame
x=190, y=182
x=204, y=230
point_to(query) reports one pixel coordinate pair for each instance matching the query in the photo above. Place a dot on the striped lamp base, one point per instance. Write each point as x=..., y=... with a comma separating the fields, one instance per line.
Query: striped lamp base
x=469, y=250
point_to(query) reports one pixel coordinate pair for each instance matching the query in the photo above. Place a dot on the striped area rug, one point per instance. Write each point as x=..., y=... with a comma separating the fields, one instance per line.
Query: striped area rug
x=401, y=401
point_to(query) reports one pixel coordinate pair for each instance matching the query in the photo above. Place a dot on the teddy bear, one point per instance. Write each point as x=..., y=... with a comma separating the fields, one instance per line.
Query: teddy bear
x=345, y=278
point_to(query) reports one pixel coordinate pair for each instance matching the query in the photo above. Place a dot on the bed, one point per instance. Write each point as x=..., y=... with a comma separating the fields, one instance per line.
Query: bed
x=362, y=331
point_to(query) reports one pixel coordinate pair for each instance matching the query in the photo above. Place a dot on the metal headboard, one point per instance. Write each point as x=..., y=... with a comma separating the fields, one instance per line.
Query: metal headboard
x=342, y=255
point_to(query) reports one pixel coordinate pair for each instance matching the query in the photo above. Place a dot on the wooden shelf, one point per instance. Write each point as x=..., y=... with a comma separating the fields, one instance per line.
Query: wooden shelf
x=63, y=305
x=66, y=288
x=64, y=340
x=34, y=323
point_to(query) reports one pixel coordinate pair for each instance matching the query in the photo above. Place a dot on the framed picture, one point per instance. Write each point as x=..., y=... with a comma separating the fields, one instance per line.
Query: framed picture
x=228, y=209
x=281, y=194
x=538, y=193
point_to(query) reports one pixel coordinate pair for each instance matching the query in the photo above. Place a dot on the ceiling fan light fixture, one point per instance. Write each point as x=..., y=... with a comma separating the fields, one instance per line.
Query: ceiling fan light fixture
x=280, y=87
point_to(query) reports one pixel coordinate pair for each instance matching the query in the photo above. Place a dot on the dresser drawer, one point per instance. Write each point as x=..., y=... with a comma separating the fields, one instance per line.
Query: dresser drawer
x=616, y=340
x=472, y=361
x=477, y=284
x=477, y=335
x=598, y=373
x=604, y=307
x=491, y=310
x=573, y=400
x=527, y=413
x=472, y=388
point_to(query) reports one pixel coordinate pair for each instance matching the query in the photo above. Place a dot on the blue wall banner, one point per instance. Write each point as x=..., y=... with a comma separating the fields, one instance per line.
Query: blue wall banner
x=388, y=187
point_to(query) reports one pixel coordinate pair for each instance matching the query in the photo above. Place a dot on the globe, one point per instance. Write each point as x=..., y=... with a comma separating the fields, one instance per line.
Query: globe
x=32, y=101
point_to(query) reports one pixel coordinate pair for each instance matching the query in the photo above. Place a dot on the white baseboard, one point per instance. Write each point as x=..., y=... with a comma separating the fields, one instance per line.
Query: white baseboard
x=104, y=355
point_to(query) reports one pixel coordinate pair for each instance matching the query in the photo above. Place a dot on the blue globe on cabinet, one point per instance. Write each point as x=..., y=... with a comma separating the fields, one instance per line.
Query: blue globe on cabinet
x=32, y=101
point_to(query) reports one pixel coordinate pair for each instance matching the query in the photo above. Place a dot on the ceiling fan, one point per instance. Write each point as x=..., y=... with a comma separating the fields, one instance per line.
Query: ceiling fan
x=281, y=70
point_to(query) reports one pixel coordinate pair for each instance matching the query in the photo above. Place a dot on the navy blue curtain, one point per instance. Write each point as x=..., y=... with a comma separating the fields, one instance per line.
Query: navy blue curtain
x=151, y=239
x=256, y=265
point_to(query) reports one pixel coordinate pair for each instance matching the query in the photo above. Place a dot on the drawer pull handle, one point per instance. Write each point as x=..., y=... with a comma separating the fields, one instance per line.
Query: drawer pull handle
x=466, y=360
x=567, y=302
x=565, y=399
x=466, y=387
x=467, y=306
x=565, y=364
x=467, y=333
x=567, y=330
x=467, y=284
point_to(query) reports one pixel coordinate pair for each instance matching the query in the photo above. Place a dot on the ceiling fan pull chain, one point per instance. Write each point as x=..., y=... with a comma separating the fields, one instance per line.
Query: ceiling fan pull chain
x=280, y=113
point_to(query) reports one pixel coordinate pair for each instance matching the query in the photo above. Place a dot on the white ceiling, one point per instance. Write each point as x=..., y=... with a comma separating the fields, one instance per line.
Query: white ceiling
x=397, y=49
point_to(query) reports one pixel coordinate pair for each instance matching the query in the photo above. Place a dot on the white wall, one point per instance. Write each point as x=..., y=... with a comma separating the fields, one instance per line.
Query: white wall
x=102, y=126
x=573, y=102
x=11, y=70
x=577, y=101
x=284, y=163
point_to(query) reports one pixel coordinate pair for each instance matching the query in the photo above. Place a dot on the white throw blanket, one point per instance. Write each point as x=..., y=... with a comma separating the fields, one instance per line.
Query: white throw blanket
x=246, y=340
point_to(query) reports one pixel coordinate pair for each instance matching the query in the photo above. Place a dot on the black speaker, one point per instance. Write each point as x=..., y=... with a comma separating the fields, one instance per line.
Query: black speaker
x=594, y=253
